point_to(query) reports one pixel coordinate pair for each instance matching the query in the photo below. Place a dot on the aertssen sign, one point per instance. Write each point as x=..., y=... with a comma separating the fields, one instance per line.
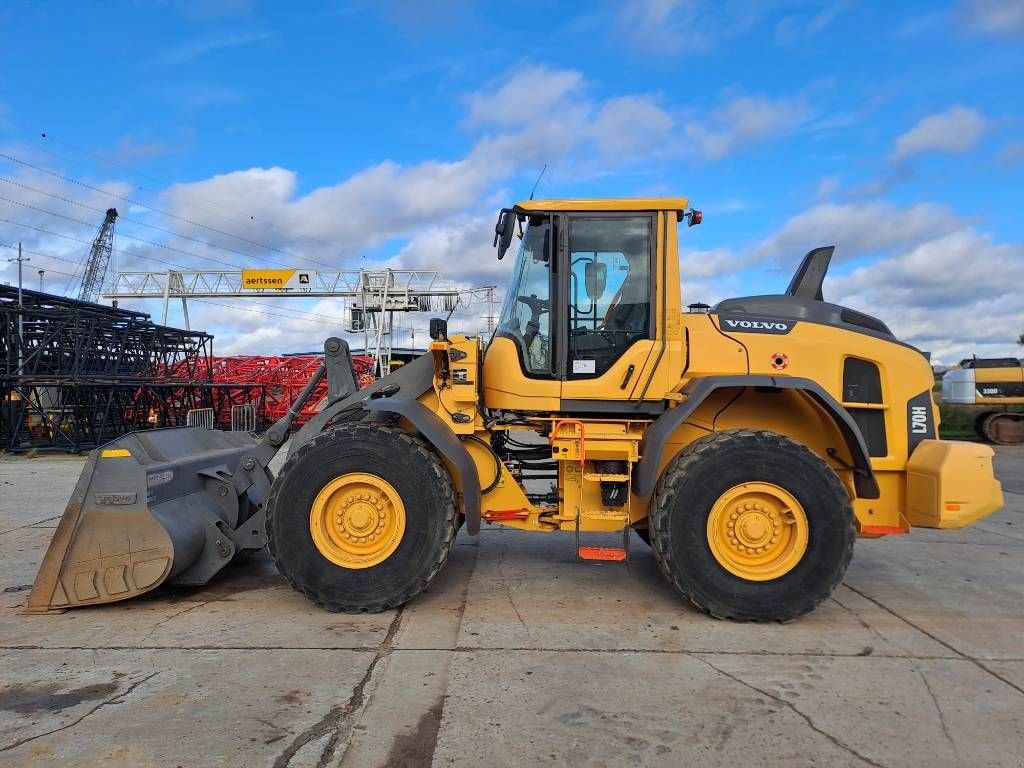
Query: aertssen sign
x=278, y=279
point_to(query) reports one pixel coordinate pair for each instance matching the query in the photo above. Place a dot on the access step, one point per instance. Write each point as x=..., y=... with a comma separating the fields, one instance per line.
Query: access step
x=603, y=554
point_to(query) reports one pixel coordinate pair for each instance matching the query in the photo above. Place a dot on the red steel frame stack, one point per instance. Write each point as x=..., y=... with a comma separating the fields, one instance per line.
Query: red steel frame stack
x=279, y=379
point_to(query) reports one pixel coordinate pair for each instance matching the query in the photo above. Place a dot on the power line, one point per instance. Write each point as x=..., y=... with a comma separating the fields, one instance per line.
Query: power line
x=171, y=232
x=130, y=237
x=154, y=209
x=239, y=216
x=47, y=255
x=43, y=255
x=328, y=318
x=87, y=242
x=262, y=312
x=48, y=137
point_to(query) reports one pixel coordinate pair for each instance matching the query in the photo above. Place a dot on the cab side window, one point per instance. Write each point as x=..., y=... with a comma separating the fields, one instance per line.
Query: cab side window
x=609, y=290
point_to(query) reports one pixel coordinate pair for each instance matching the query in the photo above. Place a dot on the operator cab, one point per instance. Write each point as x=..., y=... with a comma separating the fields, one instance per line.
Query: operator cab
x=582, y=304
x=607, y=297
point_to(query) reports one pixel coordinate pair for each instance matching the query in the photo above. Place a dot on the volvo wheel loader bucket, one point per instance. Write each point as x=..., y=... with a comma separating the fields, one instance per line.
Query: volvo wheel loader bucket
x=167, y=505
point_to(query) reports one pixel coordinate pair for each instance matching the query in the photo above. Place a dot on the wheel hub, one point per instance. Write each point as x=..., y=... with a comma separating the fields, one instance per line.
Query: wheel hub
x=757, y=531
x=357, y=520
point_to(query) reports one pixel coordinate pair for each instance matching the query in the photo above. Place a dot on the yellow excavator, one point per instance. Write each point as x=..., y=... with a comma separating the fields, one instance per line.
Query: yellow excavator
x=748, y=446
x=996, y=383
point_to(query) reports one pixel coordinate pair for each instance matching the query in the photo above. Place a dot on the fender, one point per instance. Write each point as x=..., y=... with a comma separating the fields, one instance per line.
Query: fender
x=438, y=434
x=412, y=379
x=645, y=475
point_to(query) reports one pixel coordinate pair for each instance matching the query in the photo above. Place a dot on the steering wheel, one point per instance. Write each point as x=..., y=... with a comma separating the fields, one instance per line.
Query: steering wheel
x=537, y=306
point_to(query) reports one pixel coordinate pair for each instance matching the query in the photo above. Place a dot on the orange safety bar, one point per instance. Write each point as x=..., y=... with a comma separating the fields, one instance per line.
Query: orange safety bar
x=554, y=436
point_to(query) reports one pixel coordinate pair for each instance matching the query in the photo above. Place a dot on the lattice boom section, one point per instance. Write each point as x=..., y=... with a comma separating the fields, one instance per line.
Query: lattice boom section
x=76, y=375
x=279, y=378
x=52, y=338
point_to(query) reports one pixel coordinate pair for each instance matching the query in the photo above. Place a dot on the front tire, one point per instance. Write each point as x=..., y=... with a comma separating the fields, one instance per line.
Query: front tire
x=361, y=518
x=752, y=526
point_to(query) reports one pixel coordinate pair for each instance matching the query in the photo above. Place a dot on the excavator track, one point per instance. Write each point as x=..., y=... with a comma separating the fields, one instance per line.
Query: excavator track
x=1003, y=428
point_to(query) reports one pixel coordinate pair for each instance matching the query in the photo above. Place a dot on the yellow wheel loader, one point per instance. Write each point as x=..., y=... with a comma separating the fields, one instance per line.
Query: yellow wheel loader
x=748, y=445
x=998, y=384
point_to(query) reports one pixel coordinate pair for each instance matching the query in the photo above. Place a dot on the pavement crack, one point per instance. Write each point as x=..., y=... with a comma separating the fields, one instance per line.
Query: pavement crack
x=942, y=715
x=338, y=717
x=270, y=724
x=996, y=532
x=174, y=615
x=789, y=705
x=508, y=590
x=30, y=525
x=860, y=619
x=975, y=661
x=465, y=595
x=117, y=698
x=504, y=649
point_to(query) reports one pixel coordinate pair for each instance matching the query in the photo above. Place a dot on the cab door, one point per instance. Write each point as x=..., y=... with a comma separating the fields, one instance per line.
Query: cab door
x=607, y=305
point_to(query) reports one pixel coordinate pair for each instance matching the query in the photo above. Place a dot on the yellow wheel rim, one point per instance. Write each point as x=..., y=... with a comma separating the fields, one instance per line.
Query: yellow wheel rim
x=757, y=531
x=357, y=520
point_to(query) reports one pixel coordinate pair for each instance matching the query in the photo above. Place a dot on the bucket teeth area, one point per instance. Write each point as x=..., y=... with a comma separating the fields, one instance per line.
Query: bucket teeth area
x=98, y=556
x=150, y=507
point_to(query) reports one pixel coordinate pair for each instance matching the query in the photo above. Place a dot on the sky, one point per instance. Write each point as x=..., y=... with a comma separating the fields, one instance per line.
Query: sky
x=244, y=134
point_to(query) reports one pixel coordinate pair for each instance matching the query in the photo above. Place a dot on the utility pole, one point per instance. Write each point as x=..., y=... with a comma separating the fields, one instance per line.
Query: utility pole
x=21, y=307
x=41, y=273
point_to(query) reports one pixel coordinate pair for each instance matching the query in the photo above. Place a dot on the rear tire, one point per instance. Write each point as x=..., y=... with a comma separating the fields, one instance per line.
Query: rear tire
x=404, y=465
x=688, y=502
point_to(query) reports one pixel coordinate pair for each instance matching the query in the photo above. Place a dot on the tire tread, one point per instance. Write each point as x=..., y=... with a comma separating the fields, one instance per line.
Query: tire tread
x=671, y=482
x=415, y=448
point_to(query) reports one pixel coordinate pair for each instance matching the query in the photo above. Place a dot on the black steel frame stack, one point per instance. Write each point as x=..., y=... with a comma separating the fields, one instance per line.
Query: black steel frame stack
x=77, y=374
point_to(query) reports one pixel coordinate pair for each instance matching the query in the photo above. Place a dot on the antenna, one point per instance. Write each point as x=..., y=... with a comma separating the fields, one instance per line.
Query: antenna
x=538, y=180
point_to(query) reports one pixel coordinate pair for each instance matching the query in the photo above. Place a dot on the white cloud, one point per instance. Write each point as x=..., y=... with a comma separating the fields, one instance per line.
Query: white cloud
x=664, y=26
x=705, y=264
x=827, y=187
x=954, y=295
x=659, y=27
x=940, y=284
x=1012, y=153
x=531, y=94
x=744, y=121
x=793, y=29
x=438, y=214
x=857, y=229
x=542, y=116
x=461, y=247
x=955, y=131
x=194, y=49
x=629, y=126
x=957, y=269
x=994, y=17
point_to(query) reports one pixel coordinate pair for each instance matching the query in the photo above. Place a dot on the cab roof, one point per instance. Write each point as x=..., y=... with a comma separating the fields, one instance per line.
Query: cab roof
x=608, y=204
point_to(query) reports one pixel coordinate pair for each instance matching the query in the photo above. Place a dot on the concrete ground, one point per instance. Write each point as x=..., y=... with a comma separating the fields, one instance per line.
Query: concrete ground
x=519, y=655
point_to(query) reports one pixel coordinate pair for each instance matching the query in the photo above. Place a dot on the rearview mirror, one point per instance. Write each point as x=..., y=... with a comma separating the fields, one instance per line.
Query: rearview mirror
x=595, y=277
x=438, y=329
x=504, y=230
